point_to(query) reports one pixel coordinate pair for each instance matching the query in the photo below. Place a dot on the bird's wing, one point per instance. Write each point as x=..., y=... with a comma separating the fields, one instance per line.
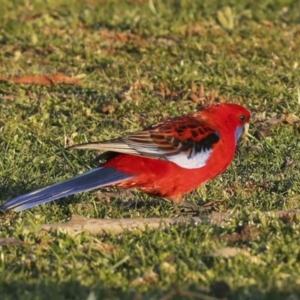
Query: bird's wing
x=185, y=141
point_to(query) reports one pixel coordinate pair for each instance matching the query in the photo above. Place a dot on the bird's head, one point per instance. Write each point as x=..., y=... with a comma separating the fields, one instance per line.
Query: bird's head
x=229, y=115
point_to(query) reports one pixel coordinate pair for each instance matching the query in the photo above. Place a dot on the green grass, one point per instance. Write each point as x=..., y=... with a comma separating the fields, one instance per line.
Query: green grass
x=113, y=46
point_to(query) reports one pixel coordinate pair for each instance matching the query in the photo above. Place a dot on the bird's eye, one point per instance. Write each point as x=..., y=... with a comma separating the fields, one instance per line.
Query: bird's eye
x=242, y=118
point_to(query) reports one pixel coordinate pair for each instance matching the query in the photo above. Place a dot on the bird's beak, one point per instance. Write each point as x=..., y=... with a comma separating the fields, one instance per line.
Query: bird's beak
x=246, y=129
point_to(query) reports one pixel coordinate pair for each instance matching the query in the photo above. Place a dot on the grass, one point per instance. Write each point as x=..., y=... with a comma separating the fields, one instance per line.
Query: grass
x=137, y=61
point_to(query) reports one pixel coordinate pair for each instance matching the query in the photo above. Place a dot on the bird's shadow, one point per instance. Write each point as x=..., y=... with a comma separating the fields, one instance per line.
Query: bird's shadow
x=124, y=200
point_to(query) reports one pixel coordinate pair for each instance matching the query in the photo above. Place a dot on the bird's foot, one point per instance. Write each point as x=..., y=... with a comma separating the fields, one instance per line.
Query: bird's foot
x=189, y=207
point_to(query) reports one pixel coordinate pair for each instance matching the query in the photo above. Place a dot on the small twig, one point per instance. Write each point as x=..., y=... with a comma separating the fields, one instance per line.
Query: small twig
x=117, y=226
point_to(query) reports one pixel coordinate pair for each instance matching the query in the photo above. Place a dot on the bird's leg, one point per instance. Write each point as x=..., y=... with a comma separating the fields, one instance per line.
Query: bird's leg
x=181, y=206
x=187, y=206
x=203, y=207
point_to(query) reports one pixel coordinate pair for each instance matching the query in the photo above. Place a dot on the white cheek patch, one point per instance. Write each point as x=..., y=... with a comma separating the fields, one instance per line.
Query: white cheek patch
x=192, y=161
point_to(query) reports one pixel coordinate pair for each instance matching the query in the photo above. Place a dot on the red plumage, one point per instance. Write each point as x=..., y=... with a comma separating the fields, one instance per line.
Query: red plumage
x=167, y=159
x=168, y=180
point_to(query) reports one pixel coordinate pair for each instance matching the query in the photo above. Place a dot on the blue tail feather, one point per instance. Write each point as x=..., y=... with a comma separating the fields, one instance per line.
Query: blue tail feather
x=92, y=179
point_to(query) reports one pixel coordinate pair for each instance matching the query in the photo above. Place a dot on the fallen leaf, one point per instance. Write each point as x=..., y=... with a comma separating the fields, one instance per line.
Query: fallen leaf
x=267, y=23
x=97, y=246
x=8, y=97
x=166, y=268
x=265, y=125
x=108, y=107
x=193, y=29
x=288, y=162
x=132, y=93
x=199, y=95
x=242, y=233
x=57, y=78
x=148, y=278
x=10, y=241
x=118, y=36
x=290, y=118
x=226, y=18
x=3, y=78
x=228, y=252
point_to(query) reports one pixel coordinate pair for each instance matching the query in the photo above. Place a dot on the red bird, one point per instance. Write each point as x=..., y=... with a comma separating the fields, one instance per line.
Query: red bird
x=167, y=159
